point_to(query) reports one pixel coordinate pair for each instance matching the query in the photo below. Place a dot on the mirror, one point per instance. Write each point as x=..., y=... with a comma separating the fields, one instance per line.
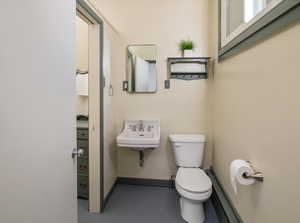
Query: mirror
x=141, y=69
x=238, y=15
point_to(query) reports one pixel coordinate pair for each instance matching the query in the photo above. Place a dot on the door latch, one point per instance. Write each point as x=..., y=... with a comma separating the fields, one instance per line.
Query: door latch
x=77, y=152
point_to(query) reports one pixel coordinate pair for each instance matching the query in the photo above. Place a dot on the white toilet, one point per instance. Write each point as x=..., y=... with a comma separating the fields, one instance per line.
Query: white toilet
x=192, y=183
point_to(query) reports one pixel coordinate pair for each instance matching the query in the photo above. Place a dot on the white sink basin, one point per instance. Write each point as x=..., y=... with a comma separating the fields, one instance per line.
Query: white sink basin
x=140, y=134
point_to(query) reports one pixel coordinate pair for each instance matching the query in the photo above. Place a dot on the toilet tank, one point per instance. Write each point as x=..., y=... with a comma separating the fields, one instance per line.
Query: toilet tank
x=188, y=149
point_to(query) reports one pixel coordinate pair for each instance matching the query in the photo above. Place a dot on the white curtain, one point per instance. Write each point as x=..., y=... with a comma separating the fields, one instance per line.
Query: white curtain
x=141, y=75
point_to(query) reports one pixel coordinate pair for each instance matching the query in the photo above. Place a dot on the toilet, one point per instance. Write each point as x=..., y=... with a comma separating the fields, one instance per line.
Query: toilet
x=191, y=182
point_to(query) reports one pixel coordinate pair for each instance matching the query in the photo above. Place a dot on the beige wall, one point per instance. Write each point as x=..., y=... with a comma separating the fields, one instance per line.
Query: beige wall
x=256, y=118
x=82, y=59
x=183, y=109
x=110, y=155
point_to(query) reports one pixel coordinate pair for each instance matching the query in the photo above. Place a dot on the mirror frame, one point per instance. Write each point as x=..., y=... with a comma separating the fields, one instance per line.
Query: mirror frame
x=127, y=70
x=282, y=15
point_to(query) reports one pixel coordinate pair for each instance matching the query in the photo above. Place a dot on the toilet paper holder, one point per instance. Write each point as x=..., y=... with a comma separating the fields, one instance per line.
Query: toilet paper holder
x=257, y=175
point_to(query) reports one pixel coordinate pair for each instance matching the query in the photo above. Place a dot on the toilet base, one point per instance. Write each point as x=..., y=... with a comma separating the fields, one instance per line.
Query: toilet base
x=192, y=211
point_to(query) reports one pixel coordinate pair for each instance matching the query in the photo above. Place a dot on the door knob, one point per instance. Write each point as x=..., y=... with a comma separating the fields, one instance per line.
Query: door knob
x=77, y=152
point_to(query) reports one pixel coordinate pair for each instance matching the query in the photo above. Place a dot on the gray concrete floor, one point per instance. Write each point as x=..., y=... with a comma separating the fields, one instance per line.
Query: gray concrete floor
x=136, y=204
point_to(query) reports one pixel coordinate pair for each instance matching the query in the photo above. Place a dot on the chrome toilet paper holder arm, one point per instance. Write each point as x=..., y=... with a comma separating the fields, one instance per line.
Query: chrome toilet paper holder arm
x=257, y=175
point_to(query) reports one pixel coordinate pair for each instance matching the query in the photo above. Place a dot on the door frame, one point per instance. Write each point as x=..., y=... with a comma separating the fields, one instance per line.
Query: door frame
x=96, y=101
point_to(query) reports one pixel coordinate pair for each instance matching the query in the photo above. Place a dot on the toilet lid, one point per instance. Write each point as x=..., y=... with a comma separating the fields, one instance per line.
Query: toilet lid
x=193, y=179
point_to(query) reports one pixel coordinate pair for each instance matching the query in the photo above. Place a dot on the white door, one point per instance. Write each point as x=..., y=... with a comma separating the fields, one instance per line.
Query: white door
x=37, y=111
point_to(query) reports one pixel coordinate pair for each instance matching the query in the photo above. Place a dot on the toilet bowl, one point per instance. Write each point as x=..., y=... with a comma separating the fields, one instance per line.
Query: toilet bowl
x=192, y=183
x=194, y=188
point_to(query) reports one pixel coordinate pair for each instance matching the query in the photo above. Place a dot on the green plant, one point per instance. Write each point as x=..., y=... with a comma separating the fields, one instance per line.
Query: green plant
x=186, y=45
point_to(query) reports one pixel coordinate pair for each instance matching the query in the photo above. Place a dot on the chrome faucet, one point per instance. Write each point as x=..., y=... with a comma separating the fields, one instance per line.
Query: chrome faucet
x=140, y=125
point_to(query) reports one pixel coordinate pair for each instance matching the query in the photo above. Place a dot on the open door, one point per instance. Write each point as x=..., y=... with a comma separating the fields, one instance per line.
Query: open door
x=37, y=112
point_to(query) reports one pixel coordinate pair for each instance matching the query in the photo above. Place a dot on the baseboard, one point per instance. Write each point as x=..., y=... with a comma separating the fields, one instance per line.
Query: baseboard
x=222, y=204
x=145, y=182
x=106, y=199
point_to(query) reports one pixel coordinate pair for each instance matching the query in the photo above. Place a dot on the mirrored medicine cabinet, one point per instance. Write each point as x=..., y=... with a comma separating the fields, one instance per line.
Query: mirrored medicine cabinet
x=141, y=69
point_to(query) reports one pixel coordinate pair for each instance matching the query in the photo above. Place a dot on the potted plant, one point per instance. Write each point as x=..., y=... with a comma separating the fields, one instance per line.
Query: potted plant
x=186, y=47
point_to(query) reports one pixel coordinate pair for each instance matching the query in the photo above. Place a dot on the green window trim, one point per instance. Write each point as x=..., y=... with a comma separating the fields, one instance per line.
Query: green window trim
x=281, y=16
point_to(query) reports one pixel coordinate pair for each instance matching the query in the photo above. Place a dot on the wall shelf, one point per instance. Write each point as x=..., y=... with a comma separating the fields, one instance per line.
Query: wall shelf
x=188, y=68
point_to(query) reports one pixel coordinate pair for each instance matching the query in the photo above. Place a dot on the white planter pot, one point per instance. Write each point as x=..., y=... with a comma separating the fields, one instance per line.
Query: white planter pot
x=189, y=53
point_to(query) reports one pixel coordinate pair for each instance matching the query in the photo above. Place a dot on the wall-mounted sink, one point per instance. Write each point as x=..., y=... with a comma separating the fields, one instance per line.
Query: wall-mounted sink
x=140, y=134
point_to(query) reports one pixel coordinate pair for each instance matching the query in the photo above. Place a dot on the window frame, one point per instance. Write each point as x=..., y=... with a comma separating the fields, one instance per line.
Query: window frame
x=266, y=23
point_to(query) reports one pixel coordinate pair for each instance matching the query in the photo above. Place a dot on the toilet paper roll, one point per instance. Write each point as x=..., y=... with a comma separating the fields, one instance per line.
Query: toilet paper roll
x=237, y=169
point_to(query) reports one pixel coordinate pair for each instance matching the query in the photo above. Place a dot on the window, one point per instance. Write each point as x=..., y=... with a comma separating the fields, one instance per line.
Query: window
x=238, y=15
x=244, y=22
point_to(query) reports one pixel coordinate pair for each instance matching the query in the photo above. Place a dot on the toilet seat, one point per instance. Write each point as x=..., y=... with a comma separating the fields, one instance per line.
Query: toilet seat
x=192, y=196
x=193, y=184
x=193, y=180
